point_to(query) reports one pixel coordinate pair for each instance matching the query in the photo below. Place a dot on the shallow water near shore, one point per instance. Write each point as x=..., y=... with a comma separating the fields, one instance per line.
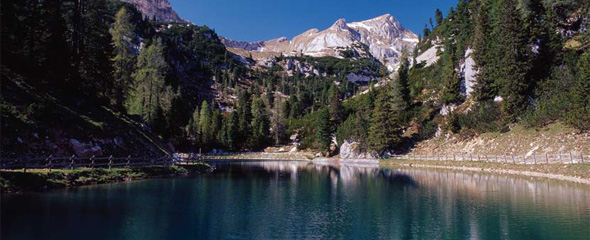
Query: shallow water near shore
x=305, y=200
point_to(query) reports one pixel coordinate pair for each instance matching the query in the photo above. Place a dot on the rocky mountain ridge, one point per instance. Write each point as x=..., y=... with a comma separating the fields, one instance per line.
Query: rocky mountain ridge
x=384, y=35
x=161, y=10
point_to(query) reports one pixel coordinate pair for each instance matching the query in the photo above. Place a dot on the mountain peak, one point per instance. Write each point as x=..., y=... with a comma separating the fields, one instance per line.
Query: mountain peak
x=158, y=9
x=340, y=24
x=386, y=18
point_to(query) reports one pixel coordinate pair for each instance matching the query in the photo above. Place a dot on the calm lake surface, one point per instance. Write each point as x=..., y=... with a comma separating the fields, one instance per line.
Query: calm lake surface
x=302, y=200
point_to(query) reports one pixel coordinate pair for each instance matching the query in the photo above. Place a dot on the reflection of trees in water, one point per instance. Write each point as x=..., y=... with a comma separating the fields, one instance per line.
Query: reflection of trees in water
x=469, y=203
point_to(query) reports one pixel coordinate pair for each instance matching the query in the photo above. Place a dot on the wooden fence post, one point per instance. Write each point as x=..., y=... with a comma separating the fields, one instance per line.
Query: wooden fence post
x=110, y=161
x=571, y=157
x=128, y=161
x=546, y=158
x=581, y=157
x=535, y=158
x=513, y=161
x=92, y=162
x=49, y=162
x=72, y=162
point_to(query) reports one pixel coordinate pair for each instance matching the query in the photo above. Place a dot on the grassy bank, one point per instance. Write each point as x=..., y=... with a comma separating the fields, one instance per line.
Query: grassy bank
x=570, y=172
x=41, y=179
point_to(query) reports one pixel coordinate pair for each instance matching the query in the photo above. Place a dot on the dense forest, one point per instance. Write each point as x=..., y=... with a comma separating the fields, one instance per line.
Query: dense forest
x=178, y=82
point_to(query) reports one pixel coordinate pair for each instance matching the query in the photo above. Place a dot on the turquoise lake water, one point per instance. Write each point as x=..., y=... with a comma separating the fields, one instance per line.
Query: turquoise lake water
x=303, y=200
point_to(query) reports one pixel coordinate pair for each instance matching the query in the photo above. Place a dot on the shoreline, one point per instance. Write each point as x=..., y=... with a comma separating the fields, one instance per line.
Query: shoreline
x=578, y=173
x=540, y=171
x=40, y=180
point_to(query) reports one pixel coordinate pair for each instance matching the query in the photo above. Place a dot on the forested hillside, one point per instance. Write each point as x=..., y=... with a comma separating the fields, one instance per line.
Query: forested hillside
x=70, y=68
x=531, y=69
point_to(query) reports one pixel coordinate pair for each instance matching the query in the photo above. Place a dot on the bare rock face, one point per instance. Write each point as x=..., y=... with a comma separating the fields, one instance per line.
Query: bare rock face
x=159, y=9
x=384, y=36
x=352, y=150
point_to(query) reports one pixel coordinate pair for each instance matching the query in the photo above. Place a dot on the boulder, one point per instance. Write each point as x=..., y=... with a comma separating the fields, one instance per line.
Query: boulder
x=85, y=149
x=352, y=150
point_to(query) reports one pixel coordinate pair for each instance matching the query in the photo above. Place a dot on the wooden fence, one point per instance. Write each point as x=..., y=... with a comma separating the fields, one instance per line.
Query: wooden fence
x=74, y=162
x=557, y=158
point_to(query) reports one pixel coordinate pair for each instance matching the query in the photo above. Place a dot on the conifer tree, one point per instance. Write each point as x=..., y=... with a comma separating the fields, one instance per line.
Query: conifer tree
x=451, y=92
x=323, y=131
x=245, y=115
x=483, y=55
x=335, y=107
x=206, y=127
x=260, y=124
x=193, y=125
x=385, y=128
x=401, y=88
x=512, y=65
x=150, y=90
x=122, y=35
x=438, y=16
x=579, y=111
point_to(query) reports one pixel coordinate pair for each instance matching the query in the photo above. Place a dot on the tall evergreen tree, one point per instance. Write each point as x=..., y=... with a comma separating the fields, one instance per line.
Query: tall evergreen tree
x=385, y=128
x=206, y=127
x=245, y=115
x=513, y=65
x=401, y=88
x=579, y=112
x=150, y=90
x=260, y=124
x=438, y=16
x=323, y=132
x=122, y=35
x=451, y=92
x=335, y=106
x=483, y=55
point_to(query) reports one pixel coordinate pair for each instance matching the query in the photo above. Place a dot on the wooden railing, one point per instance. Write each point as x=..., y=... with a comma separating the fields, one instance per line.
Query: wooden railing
x=556, y=158
x=74, y=162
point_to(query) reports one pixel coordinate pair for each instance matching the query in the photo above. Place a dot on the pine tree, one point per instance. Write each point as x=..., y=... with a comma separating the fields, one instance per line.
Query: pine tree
x=513, y=65
x=205, y=117
x=122, y=35
x=193, y=126
x=278, y=123
x=245, y=116
x=579, y=112
x=323, y=131
x=483, y=55
x=401, y=87
x=260, y=124
x=385, y=128
x=233, y=131
x=438, y=16
x=451, y=92
x=426, y=31
x=335, y=106
x=150, y=90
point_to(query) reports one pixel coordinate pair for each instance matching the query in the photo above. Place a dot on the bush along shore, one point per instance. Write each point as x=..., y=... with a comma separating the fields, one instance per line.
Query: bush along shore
x=18, y=181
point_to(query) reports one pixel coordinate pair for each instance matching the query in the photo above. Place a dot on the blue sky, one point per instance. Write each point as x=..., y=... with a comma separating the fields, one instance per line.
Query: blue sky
x=252, y=20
